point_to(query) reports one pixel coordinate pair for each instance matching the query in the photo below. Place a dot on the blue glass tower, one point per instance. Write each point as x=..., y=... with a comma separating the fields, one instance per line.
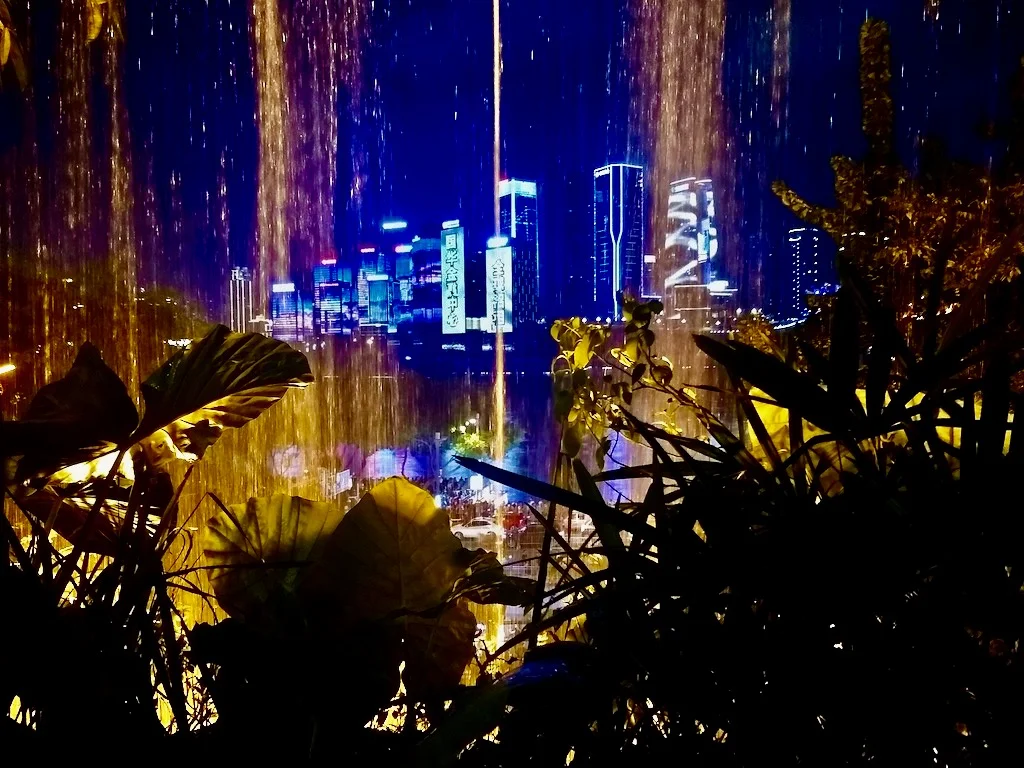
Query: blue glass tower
x=618, y=236
x=518, y=207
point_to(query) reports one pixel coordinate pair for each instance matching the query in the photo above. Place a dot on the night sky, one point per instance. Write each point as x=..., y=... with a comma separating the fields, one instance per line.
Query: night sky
x=421, y=123
x=566, y=104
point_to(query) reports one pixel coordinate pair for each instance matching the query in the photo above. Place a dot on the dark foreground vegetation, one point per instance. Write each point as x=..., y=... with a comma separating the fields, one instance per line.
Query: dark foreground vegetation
x=839, y=584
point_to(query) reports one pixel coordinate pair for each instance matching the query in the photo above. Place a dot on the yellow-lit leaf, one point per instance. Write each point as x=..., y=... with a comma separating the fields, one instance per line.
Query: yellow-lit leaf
x=581, y=354
x=572, y=439
x=392, y=563
x=223, y=380
x=436, y=651
x=5, y=44
x=393, y=552
x=699, y=530
x=245, y=542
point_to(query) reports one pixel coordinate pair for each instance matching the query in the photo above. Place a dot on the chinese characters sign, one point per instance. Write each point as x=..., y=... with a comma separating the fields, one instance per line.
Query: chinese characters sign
x=499, y=290
x=453, y=281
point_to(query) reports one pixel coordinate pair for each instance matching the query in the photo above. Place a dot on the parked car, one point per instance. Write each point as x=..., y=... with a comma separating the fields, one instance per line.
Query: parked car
x=477, y=528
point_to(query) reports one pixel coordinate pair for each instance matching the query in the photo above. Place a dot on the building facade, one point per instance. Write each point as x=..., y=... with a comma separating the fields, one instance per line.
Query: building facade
x=379, y=298
x=691, y=245
x=618, y=262
x=811, y=270
x=331, y=299
x=519, y=223
x=291, y=315
x=452, y=278
x=500, y=311
x=240, y=295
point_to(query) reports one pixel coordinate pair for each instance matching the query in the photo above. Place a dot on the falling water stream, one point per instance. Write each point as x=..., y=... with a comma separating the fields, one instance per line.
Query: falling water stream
x=121, y=227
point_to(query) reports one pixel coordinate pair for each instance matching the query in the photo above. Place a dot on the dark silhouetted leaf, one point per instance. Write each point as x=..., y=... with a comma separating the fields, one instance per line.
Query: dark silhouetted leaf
x=392, y=563
x=484, y=581
x=788, y=387
x=76, y=419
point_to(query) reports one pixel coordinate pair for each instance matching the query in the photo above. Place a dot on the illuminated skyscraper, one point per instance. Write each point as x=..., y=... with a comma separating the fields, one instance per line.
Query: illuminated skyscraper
x=518, y=203
x=401, y=289
x=427, y=270
x=696, y=291
x=452, y=278
x=649, y=286
x=618, y=236
x=291, y=317
x=241, y=300
x=812, y=269
x=329, y=298
x=691, y=246
x=379, y=298
x=501, y=295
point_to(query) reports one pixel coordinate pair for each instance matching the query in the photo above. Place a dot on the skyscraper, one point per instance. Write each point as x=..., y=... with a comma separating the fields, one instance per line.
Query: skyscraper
x=331, y=298
x=402, y=280
x=241, y=299
x=618, y=236
x=453, y=278
x=696, y=291
x=379, y=299
x=649, y=286
x=811, y=269
x=427, y=278
x=290, y=316
x=691, y=246
x=518, y=204
x=501, y=294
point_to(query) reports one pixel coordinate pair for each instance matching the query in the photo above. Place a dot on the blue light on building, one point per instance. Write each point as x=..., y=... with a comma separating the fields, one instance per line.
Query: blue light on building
x=290, y=314
x=331, y=298
x=518, y=216
x=691, y=246
x=378, y=299
x=618, y=261
x=811, y=270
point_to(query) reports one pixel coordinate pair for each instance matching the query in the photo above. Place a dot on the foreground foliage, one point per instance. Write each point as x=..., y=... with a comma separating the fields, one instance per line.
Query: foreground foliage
x=840, y=581
x=845, y=588
x=326, y=605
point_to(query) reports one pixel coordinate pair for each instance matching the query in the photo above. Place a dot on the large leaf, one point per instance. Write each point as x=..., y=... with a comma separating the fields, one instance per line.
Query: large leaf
x=95, y=19
x=76, y=419
x=256, y=549
x=844, y=351
x=223, y=380
x=10, y=51
x=436, y=650
x=392, y=554
x=393, y=561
